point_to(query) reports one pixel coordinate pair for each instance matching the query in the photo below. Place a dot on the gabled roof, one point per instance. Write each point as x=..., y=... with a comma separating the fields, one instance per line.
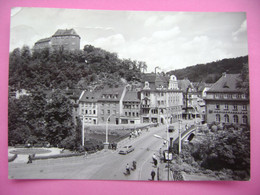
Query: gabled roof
x=65, y=32
x=131, y=96
x=227, y=83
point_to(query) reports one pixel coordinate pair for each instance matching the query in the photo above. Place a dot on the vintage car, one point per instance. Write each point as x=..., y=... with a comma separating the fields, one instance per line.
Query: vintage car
x=126, y=149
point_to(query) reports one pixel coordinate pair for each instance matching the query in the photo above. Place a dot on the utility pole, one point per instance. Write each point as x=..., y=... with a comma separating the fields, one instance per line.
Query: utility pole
x=82, y=132
x=180, y=136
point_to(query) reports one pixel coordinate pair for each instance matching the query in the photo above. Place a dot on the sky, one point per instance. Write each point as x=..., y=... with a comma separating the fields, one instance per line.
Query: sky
x=170, y=40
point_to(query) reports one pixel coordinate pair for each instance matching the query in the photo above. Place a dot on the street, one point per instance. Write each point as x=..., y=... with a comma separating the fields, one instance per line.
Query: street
x=103, y=165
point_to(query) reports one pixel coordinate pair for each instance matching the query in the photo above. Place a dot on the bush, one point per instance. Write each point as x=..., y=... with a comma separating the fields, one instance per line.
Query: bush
x=10, y=159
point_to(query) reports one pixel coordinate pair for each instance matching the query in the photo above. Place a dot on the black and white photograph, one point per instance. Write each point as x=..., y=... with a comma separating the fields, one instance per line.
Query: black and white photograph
x=128, y=95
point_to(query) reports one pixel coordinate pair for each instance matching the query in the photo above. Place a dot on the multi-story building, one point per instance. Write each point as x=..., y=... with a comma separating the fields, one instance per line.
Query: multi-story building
x=190, y=99
x=100, y=107
x=88, y=107
x=227, y=102
x=161, y=99
x=110, y=105
x=131, y=108
x=66, y=39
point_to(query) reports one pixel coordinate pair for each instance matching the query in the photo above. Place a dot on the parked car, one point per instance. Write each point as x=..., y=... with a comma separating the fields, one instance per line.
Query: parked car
x=126, y=149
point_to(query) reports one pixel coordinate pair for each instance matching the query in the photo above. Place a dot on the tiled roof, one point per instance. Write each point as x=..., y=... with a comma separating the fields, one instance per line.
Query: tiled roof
x=131, y=96
x=66, y=32
x=227, y=83
x=90, y=96
x=115, y=92
x=44, y=40
x=155, y=79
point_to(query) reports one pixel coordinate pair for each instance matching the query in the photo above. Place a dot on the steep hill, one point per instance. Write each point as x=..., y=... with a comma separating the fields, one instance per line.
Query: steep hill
x=211, y=72
x=59, y=69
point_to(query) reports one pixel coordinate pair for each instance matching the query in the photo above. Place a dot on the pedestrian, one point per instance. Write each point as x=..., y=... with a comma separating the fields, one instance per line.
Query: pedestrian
x=29, y=159
x=155, y=162
x=154, y=156
x=153, y=174
x=160, y=152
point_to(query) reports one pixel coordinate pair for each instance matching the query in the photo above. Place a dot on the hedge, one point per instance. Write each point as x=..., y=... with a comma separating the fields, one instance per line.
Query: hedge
x=10, y=159
x=57, y=156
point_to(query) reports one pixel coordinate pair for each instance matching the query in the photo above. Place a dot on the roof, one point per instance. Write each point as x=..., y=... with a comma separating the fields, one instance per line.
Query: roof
x=131, y=96
x=155, y=79
x=227, y=83
x=184, y=84
x=90, y=96
x=65, y=32
x=44, y=40
x=111, y=94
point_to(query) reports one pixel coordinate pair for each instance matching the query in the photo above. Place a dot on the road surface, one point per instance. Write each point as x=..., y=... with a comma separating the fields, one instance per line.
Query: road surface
x=103, y=165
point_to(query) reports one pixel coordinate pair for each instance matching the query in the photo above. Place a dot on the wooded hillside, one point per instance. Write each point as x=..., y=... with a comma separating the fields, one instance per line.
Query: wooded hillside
x=211, y=72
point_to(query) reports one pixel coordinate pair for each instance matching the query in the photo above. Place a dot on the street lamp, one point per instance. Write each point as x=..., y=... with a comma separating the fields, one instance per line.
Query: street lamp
x=159, y=137
x=82, y=131
x=107, y=143
x=180, y=121
x=167, y=132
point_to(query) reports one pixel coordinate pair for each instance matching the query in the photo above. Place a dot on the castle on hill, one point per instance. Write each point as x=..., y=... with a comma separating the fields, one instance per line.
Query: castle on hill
x=66, y=39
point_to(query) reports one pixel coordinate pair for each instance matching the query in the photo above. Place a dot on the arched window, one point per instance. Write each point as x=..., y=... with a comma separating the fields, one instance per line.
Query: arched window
x=226, y=117
x=235, y=119
x=217, y=118
x=244, y=118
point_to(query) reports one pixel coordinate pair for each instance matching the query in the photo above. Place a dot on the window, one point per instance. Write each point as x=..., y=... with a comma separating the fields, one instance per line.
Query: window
x=217, y=118
x=226, y=117
x=226, y=106
x=235, y=107
x=129, y=113
x=125, y=113
x=235, y=119
x=86, y=111
x=133, y=114
x=244, y=107
x=94, y=111
x=90, y=112
x=137, y=114
x=217, y=106
x=244, y=118
x=108, y=111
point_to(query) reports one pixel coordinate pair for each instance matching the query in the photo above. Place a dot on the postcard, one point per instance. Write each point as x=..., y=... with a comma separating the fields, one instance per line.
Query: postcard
x=128, y=95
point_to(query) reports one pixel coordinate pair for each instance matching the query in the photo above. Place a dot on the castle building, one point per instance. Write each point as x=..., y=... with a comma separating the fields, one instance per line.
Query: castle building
x=226, y=102
x=66, y=39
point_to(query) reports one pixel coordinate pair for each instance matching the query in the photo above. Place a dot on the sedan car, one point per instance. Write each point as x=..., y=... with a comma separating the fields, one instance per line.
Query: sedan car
x=126, y=149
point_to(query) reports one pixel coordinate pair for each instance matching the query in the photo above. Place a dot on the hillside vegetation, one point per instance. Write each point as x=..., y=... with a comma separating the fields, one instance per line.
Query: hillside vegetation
x=91, y=67
x=211, y=72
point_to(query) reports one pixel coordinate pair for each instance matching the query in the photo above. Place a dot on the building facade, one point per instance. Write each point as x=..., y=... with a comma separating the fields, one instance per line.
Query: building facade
x=161, y=99
x=227, y=103
x=66, y=39
x=131, y=108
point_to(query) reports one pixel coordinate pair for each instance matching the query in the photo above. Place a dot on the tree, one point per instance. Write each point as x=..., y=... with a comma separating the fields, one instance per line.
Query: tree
x=58, y=117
